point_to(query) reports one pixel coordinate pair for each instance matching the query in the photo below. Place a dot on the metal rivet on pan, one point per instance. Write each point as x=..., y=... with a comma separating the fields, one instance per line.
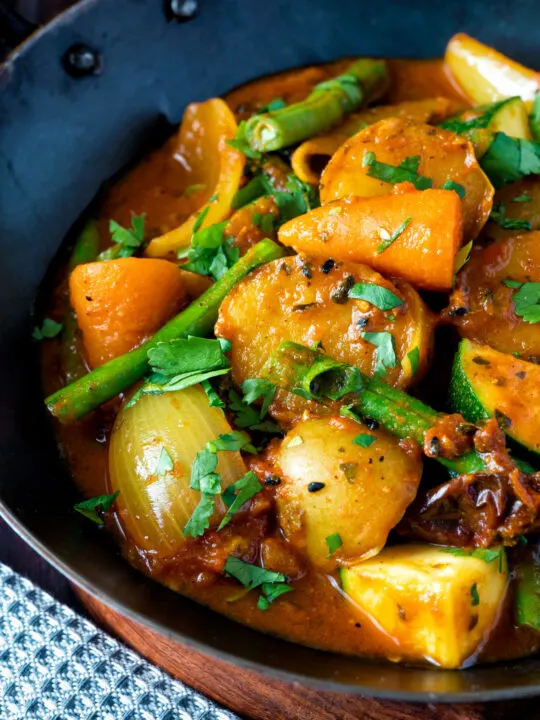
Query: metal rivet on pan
x=182, y=10
x=80, y=60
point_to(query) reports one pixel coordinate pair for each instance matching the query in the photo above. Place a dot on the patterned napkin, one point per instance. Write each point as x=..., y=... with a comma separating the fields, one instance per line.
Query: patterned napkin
x=56, y=665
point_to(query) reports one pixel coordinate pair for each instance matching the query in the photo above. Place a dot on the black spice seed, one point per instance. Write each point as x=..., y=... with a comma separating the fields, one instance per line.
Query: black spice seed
x=307, y=270
x=357, y=625
x=521, y=374
x=370, y=461
x=371, y=423
x=480, y=360
x=272, y=480
x=327, y=266
x=340, y=294
x=466, y=429
x=503, y=420
x=88, y=298
x=381, y=459
x=458, y=312
x=363, y=323
x=301, y=308
x=434, y=447
x=315, y=486
x=285, y=268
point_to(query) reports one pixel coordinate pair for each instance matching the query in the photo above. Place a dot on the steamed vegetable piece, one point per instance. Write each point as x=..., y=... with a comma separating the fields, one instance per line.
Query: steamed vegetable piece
x=485, y=74
x=215, y=166
x=152, y=449
x=102, y=384
x=307, y=300
x=364, y=81
x=436, y=603
x=487, y=383
x=486, y=306
x=395, y=234
x=527, y=593
x=310, y=158
x=421, y=154
x=339, y=477
x=120, y=303
x=309, y=373
x=520, y=203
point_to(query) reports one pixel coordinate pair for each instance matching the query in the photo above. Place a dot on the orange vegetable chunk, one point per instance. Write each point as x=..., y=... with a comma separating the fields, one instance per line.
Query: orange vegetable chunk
x=357, y=229
x=120, y=303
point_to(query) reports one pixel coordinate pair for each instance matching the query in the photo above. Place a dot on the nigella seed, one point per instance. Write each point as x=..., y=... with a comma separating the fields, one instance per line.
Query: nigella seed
x=521, y=374
x=363, y=322
x=435, y=447
x=315, y=486
x=466, y=429
x=272, y=480
x=503, y=420
x=340, y=294
x=458, y=312
x=371, y=423
x=307, y=270
x=327, y=266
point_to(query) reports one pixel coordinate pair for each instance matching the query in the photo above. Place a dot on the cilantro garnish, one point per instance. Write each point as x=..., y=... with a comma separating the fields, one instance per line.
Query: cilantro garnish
x=365, y=440
x=475, y=597
x=210, y=252
x=207, y=481
x=498, y=215
x=233, y=441
x=406, y=171
x=213, y=398
x=334, y=542
x=89, y=508
x=250, y=417
x=523, y=198
x=254, y=389
x=255, y=188
x=49, y=329
x=377, y=295
x=509, y=159
x=526, y=300
x=272, y=584
x=192, y=189
x=127, y=240
x=389, y=239
x=486, y=554
x=165, y=463
x=414, y=359
x=385, y=355
x=275, y=104
x=451, y=185
x=238, y=494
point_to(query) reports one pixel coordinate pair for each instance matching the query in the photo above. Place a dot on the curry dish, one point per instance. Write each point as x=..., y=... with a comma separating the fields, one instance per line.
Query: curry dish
x=293, y=359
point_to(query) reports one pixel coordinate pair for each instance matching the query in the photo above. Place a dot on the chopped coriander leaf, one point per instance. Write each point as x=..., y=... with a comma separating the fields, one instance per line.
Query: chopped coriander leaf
x=165, y=463
x=241, y=144
x=414, y=359
x=192, y=189
x=527, y=302
x=462, y=256
x=377, y=295
x=249, y=417
x=498, y=215
x=523, y=198
x=204, y=465
x=89, y=508
x=385, y=353
x=238, y=494
x=475, y=598
x=389, y=239
x=49, y=329
x=365, y=440
x=203, y=478
x=251, y=576
x=127, y=240
x=211, y=253
x=200, y=519
x=510, y=159
x=158, y=384
x=406, y=171
x=270, y=592
x=486, y=554
x=276, y=104
x=255, y=188
x=512, y=283
x=200, y=219
x=266, y=222
x=184, y=355
x=334, y=542
x=254, y=389
x=451, y=185
x=233, y=441
x=297, y=200
x=213, y=398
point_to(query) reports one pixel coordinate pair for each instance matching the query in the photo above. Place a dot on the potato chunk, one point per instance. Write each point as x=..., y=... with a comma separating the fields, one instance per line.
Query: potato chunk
x=482, y=305
x=435, y=605
x=443, y=156
x=332, y=485
x=305, y=300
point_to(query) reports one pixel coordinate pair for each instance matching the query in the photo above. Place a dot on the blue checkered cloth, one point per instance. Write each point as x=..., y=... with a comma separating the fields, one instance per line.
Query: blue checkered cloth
x=56, y=665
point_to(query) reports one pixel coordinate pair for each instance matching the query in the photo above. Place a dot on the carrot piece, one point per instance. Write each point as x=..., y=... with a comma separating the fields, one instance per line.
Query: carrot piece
x=357, y=229
x=119, y=303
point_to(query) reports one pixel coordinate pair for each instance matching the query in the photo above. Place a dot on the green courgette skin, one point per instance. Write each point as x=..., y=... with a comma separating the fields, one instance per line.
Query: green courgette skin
x=463, y=398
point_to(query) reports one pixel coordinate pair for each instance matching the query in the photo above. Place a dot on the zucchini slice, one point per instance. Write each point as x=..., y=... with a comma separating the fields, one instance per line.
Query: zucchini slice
x=487, y=383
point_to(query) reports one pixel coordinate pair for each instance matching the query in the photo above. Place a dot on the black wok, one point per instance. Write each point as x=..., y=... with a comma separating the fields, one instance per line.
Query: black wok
x=62, y=134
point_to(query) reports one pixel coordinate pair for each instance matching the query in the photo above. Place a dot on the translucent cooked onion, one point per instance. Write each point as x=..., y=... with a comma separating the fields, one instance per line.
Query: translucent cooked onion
x=153, y=508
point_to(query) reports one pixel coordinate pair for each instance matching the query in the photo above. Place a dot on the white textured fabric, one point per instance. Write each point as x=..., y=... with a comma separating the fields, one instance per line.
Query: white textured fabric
x=56, y=665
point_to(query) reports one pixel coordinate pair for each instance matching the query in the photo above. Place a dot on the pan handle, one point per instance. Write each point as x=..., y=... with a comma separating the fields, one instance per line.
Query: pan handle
x=14, y=28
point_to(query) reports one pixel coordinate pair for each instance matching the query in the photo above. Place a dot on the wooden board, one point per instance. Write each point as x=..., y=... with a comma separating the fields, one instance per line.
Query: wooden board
x=261, y=698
